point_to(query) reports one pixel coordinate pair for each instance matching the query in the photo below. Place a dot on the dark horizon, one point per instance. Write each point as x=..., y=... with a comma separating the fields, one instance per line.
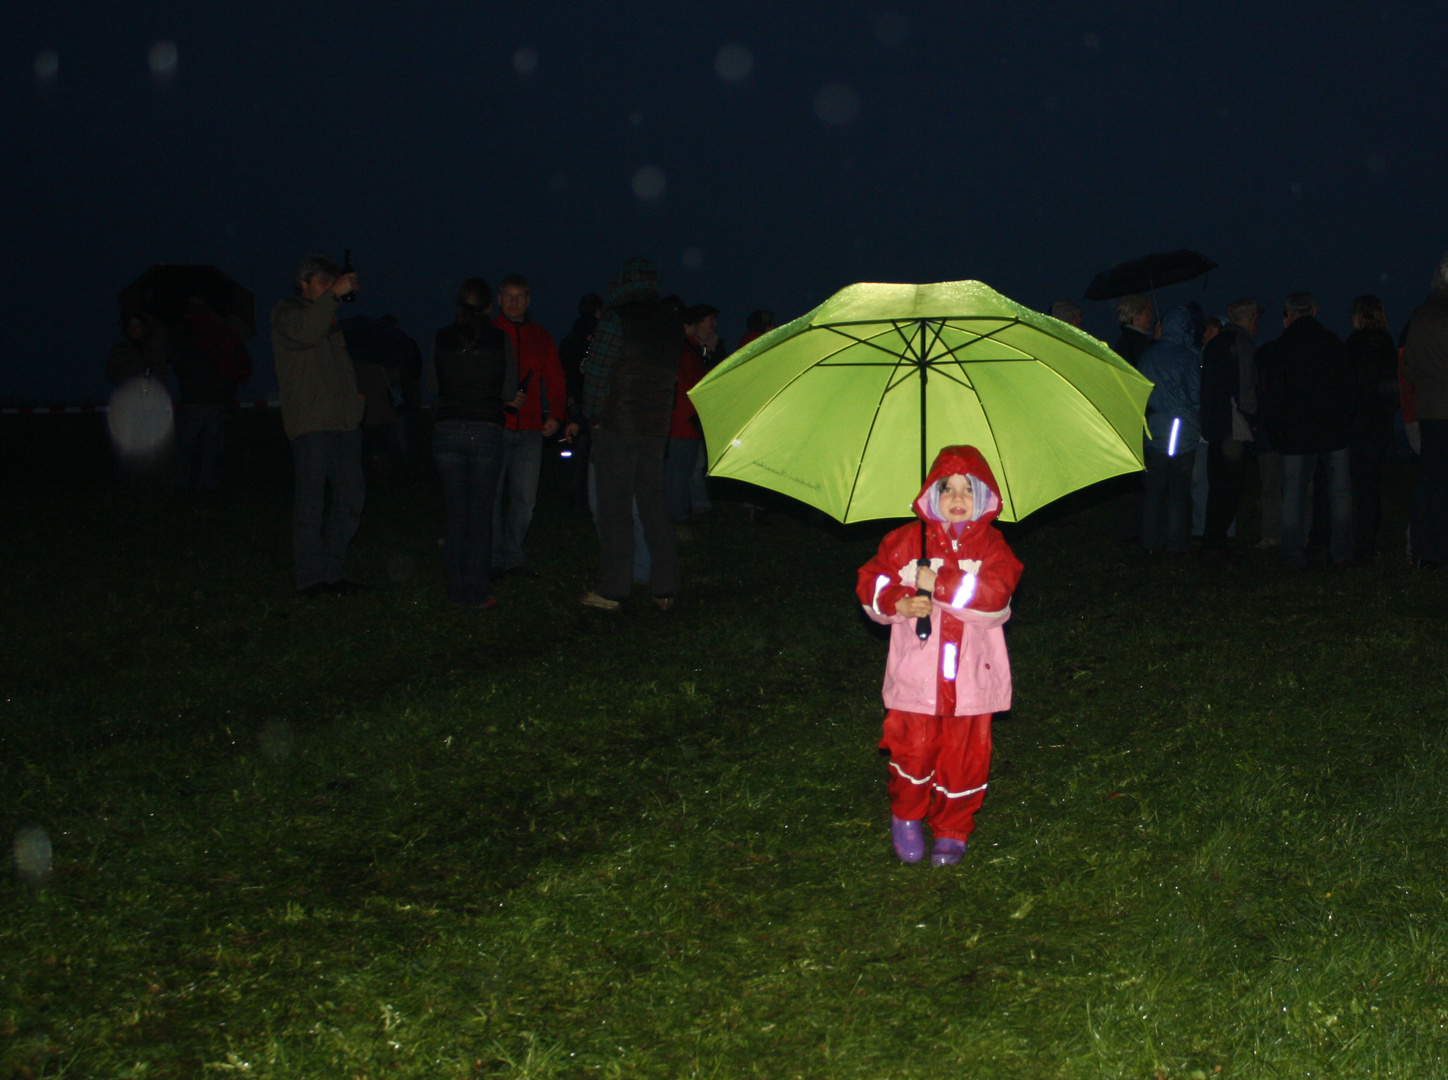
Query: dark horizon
x=1027, y=146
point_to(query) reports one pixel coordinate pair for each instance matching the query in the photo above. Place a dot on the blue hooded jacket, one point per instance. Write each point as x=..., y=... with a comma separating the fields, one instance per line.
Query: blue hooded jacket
x=1174, y=364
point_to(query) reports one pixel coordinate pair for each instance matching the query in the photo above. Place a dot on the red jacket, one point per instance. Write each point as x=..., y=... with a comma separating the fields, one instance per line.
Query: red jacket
x=537, y=356
x=685, y=424
x=962, y=670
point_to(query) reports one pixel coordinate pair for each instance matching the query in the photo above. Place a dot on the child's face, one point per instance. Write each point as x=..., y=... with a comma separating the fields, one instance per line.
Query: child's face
x=957, y=500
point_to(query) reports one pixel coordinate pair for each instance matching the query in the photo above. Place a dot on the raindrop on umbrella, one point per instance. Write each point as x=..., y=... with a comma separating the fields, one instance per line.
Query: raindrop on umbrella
x=733, y=63
x=836, y=104
x=525, y=60
x=649, y=182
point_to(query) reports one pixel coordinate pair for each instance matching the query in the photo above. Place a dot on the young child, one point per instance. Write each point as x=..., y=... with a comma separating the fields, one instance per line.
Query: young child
x=941, y=693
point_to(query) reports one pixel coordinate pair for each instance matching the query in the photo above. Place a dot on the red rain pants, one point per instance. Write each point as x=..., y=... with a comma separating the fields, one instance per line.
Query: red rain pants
x=938, y=769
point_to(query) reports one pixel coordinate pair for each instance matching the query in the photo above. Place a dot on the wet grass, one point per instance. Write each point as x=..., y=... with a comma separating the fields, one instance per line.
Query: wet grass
x=382, y=838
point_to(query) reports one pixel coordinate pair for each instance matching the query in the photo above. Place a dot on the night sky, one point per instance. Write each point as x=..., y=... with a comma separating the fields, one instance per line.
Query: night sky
x=763, y=154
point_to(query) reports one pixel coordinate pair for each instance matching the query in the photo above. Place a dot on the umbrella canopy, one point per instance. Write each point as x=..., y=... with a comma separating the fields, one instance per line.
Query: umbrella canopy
x=163, y=290
x=841, y=407
x=1149, y=272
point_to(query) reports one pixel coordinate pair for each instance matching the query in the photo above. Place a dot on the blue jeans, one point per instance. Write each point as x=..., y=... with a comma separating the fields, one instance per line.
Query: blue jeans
x=321, y=533
x=1297, y=470
x=1166, y=513
x=522, y=462
x=469, y=456
x=679, y=462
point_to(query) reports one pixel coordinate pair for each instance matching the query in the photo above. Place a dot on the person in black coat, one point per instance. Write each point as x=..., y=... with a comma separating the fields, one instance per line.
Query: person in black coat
x=1373, y=368
x=1307, y=409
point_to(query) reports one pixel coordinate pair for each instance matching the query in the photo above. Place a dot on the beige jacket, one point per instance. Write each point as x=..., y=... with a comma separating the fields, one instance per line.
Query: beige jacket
x=314, y=373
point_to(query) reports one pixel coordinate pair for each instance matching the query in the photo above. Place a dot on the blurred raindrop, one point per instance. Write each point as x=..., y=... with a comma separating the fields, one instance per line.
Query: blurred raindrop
x=1092, y=41
x=162, y=58
x=1383, y=277
x=47, y=65
x=32, y=854
x=1296, y=189
x=733, y=62
x=836, y=104
x=140, y=418
x=1377, y=164
x=891, y=29
x=277, y=740
x=525, y=60
x=636, y=118
x=693, y=258
x=558, y=181
x=649, y=182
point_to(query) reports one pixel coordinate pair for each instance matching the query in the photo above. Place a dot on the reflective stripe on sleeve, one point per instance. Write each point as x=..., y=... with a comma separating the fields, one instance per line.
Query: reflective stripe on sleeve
x=882, y=582
x=965, y=592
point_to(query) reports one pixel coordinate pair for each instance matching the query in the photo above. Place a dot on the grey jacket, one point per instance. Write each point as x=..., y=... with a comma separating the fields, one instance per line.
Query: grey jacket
x=314, y=373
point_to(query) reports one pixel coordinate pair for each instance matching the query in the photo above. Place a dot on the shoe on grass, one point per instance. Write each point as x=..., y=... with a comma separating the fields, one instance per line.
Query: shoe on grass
x=908, y=838
x=596, y=600
x=946, y=852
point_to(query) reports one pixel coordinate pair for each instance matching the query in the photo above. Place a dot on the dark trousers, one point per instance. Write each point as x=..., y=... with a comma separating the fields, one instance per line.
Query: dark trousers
x=1430, y=494
x=325, y=462
x=469, y=456
x=628, y=469
x=1166, y=516
x=1226, y=475
x=200, y=430
x=1365, y=469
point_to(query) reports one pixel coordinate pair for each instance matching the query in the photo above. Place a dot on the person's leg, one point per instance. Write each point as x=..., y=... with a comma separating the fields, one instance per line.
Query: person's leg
x=699, y=483
x=679, y=462
x=1296, y=506
x=653, y=506
x=1226, y=473
x=449, y=452
x=1199, y=489
x=309, y=464
x=506, y=484
x=912, y=740
x=484, y=467
x=1365, y=468
x=1179, y=503
x=1153, y=502
x=349, y=492
x=1430, y=494
x=1339, y=497
x=1269, y=475
x=613, y=486
x=962, y=768
x=524, y=467
x=206, y=475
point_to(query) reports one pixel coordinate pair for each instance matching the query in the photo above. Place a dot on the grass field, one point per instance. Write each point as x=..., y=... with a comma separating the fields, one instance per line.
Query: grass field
x=382, y=837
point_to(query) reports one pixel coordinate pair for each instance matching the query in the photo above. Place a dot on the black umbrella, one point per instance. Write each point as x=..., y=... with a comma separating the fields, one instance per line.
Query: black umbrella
x=1148, y=273
x=163, y=290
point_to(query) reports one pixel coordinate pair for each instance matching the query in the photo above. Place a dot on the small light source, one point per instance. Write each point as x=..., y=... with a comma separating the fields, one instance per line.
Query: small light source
x=565, y=453
x=1176, y=428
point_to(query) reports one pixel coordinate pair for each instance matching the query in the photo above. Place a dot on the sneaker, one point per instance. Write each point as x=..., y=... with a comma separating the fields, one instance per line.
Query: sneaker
x=946, y=852
x=908, y=838
x=595, y=600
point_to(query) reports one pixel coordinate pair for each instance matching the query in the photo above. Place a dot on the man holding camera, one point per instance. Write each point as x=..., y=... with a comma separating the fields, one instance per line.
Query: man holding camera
x=321, y=413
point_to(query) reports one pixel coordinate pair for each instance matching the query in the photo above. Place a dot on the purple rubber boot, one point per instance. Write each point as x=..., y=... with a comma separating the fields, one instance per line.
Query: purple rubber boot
x=946, y=852
x=909, y=839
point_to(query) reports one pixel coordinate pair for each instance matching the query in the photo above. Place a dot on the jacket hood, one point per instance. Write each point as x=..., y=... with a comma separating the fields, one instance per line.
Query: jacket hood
x=1178, y=326
x=638, y=280
x=969, y=462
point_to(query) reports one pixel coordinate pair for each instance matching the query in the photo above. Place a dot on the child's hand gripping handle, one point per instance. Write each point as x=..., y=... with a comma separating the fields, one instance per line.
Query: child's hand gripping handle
x=922, y=624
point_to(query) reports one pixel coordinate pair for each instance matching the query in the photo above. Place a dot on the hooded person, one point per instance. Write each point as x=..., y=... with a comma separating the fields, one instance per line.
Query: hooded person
x=628, y=392
x=941, y=692
x=1173, y=420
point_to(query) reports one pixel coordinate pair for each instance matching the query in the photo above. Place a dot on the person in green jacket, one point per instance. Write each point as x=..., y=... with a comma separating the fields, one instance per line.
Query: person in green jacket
x=321, y=414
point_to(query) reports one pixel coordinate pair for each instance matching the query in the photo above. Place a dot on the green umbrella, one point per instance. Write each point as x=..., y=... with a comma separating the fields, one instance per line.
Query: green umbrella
x=842, y=407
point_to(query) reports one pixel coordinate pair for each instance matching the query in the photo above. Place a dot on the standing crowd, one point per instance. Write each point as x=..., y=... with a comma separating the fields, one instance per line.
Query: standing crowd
x=1316, y=413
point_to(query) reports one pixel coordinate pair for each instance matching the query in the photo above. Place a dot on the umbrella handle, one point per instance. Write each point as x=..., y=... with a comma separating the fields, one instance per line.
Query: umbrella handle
x=922, y=624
